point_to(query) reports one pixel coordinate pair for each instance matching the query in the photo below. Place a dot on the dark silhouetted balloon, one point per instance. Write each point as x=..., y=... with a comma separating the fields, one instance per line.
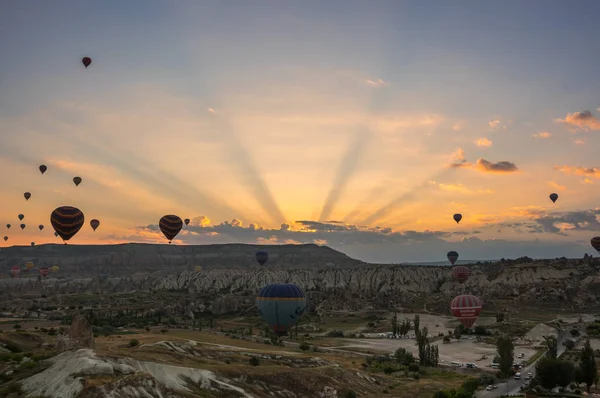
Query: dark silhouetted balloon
x=452, y=256
x=460, y=273
x=67, y=221
x=553, y=197
x=21, y=217
x=8, y=226
x=262, y=257
x=32, y=243
x=86, y=61
x=5, y=238
x=281, y=306
x=466, y=308
x=187, y=221
x=56, y=234
x=44, y=271
x=43, y=168
x=596, y=243
x=94, y=223
x=22, y=226
x=40, y=227
x=27, y=195
x=77, y=181
x=457, y=217
x=170, y=225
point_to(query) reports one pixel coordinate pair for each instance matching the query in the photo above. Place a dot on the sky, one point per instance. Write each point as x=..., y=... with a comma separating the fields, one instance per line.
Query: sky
x=363, y=126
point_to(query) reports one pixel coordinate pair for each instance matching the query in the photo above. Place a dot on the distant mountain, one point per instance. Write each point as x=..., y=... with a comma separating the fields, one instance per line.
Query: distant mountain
x=447, y=263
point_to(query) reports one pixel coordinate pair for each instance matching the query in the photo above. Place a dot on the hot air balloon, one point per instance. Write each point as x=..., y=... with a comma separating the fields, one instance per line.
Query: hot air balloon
x=466, y=308
x=457, y=217
x=281, y=305
x=32, y=243
x=94, y=223
x=198, y=268
x=40, y=227
x=553, y=197
x=56, y=234
x=27, y=195
x=170, y=225
x=43, y=168
x=22, y=226
x=44, y=271
x=596, y=243
x=5, y=238
x=86, y=61
x=8, y=226
x=187, y=221
x=15, y=271
x=29, y=265
x=460, y=273
x=67, y=221
x=77, y=181
x=452, y=256
x=21, y=217
x=55, y=268
x=262, y=257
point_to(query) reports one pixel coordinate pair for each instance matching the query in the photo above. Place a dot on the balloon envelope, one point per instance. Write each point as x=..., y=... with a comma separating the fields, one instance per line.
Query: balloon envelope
x=170, y=225
x=553, y=197
x=8, y=226
x=281, y=306
x=32, y=243
x=187, y=221
x=44, y=271
x=596, y=243
x=67, y=221
x=86, y=61
x=40, y=227
x=29, y=265
x=21, y=217
x=452, y=256
x=466, y=308
x=262, y=257
x=460, y=273
x=94, y=223
x=15, y=271
x=43, y=168
x=198, y=268
x=457, y=217
x=77, y=181
x=27, y=195
x=5, y=238
x=55, y=268
x=22, y=226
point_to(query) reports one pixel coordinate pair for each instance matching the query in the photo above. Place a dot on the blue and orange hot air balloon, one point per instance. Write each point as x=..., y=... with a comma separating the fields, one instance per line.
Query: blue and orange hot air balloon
x=281, y=305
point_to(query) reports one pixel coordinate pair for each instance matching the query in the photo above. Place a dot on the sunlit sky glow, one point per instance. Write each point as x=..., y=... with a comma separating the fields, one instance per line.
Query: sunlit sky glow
x=360, y=125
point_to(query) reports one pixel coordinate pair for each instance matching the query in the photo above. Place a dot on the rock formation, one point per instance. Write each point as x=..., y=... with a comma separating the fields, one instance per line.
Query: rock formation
x=79, y=335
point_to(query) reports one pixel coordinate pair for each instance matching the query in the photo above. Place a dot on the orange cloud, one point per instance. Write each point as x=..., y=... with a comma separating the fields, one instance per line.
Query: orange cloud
x=499, y=167
x=557, y=186
x=376, y=82
x=581, y=171
x=587, y=181
x=543, y=134
x=462, y=189
x=583, y=120
x=580, y=142
x=483, y=142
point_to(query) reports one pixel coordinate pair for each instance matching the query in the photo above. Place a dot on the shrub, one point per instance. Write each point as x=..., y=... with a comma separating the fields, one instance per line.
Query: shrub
x=304, y=346
x=254, y=361
x=134, y=343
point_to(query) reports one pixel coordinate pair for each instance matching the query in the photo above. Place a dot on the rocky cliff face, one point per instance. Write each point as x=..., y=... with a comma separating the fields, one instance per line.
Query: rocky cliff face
x=566, y=283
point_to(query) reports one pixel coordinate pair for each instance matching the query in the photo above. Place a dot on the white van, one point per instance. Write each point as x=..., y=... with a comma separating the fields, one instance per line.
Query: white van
x=457, y=364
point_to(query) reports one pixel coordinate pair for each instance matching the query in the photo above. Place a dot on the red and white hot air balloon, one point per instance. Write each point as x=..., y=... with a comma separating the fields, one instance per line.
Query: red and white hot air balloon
x=460, y=273
x=44, y=271
x=466, y=308
x=15, y=271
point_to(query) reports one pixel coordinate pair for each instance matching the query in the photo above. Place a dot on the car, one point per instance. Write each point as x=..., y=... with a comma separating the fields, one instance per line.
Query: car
x=489, y=388
x=521, y=355
x=528, y=377
x=495, y=386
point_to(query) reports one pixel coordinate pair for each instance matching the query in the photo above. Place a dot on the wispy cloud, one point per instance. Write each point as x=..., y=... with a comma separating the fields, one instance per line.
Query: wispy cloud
x=460, y=188
x=483, y=142
x=376, y=82
x=542, y=134
x=578, y=170
x=557, y=186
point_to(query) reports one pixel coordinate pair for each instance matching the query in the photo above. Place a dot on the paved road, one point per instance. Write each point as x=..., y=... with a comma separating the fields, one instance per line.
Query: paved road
x=514, y=386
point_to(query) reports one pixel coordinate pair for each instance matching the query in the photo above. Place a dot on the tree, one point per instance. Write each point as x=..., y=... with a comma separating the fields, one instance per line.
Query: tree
x=552, y=345
x=553, y=372
x=404, y=357
x=457, y=333
x=404, y=327
x=506, y=352
x=395, y=324
x=587, y=364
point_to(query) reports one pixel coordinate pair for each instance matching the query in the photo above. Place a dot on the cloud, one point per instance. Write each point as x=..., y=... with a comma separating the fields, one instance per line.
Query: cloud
x=376, y=82
x=579, y=142
x=483, y=142
x=499, y=167
x=581, y=220
x=587, y=181
x=457, y=159
x=498, y=125
x=542, y=134
x=581, y=171
x=580, y=121
x=557, y=186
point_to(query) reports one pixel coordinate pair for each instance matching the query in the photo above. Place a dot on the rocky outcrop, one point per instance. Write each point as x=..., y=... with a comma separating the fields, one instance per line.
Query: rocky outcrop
x=79, y=335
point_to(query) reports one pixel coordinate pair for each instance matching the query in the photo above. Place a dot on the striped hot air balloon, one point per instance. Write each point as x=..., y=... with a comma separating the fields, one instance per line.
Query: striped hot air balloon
x=170, y=225
x=281, y=305
x=460, y=273
x=466, y=308
x=596, y=243
x=262, y=257
x=44, y=271
x=452, y=256
x=67, y=221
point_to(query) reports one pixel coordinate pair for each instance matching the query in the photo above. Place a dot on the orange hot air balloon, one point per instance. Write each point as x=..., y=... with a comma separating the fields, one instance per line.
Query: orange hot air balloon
x=466, y=308
x=86, y=61
x=94, y=223
x=29, y=265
